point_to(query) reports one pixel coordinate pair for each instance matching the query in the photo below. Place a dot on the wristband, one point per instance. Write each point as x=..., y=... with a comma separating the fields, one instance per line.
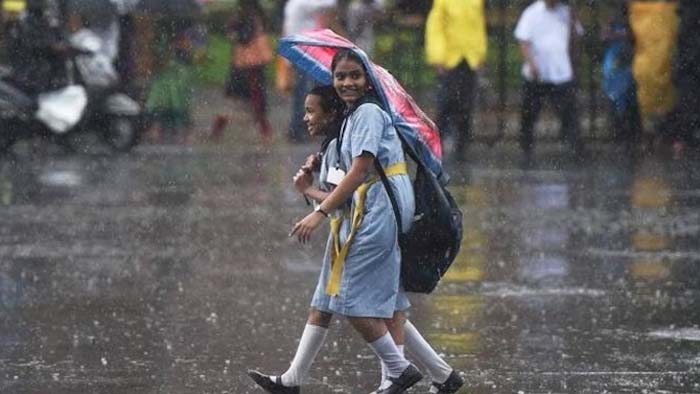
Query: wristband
x=321, y=211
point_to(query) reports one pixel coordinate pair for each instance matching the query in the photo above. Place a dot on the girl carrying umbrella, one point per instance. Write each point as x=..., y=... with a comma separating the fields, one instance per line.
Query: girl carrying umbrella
x=360, y=279
x=363, y=284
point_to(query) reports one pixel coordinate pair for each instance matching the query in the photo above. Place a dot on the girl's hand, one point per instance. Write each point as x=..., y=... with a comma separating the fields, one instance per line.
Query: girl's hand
x=313, y=163
x=303, y=180
x=306, y=226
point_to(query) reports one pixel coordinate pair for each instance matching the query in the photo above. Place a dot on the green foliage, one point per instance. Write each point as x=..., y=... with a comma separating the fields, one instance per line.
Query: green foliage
x=401, y=52
x=513, y=62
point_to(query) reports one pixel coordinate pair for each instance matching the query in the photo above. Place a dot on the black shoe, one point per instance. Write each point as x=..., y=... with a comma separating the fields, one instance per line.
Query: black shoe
x=271, y=385
x=451, y=385
x=408, y=378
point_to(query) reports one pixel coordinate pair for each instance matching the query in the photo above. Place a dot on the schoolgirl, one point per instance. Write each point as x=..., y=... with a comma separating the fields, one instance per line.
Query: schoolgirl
x=361, y=266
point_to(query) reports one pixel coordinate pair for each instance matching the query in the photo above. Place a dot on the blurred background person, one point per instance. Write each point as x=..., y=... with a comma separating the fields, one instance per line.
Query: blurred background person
x=683, y=125
x=299, y=16
x=362, y=15
x=456, y=45
x=35, y=46
x=546, y=32
x=251, y=54
x=169, y=101
x=618, y=80
x=655, y=27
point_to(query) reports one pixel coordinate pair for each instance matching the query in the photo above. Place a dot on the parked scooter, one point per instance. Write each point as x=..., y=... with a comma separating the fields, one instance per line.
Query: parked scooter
x=109, y=109
x=52, y=114
x=90, y=101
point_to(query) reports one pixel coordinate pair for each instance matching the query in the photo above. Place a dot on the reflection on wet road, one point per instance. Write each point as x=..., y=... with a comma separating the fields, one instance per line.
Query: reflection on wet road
x=169, y=271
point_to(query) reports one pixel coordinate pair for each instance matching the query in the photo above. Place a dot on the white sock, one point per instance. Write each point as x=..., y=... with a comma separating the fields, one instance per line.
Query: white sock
x=418, y=363
x=389, y=354
x=424, y=355
x=384, y=383
x=310, y=343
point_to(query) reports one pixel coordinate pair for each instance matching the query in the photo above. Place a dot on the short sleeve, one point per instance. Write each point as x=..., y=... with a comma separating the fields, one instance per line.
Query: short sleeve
x=523, y=30
x=366, y=133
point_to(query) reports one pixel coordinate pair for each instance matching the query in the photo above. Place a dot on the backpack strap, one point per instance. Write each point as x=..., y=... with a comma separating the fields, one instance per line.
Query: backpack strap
x=390, y=192
x=408, y=149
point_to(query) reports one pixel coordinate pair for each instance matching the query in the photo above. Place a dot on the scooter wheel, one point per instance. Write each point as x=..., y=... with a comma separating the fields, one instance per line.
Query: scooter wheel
x=121, y=133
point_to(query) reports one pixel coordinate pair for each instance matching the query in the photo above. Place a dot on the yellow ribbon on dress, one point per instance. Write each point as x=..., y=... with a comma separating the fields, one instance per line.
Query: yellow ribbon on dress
x=340, y=253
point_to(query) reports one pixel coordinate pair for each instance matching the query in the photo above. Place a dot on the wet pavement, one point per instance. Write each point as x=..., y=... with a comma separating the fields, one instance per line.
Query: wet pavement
x=169, y=270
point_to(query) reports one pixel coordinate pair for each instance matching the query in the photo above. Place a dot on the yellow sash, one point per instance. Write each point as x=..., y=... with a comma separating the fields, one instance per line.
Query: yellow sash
x=340, y=253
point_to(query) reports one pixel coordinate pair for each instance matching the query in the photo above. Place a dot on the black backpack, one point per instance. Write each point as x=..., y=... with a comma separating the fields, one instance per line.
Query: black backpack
x=432, y=244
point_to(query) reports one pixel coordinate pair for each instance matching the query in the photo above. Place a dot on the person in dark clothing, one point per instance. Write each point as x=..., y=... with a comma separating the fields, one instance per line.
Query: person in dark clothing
x=456, y=45
x=683, y=124
x=251, y=55
x=35, y=48
x=618, y=79
x=545, y=33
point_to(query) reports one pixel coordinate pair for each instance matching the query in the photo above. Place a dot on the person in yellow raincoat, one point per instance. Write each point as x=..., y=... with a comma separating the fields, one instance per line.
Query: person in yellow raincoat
x=456, y=45
x=655, y=27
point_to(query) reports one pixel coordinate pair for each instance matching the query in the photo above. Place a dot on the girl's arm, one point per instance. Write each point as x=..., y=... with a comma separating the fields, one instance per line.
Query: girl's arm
x=316, y=194
x=529, y=58
x=361, y=167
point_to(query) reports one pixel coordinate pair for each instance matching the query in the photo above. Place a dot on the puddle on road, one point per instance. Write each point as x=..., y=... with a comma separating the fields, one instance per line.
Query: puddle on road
x=678, y=334
x=509, y=291
x=61, y=178
x=170, y=272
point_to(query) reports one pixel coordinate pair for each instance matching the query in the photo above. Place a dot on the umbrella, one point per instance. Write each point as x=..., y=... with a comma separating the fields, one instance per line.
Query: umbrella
x=313, y=53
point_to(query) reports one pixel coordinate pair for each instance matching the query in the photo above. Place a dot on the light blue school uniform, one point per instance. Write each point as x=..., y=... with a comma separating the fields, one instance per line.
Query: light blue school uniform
x=370, y=285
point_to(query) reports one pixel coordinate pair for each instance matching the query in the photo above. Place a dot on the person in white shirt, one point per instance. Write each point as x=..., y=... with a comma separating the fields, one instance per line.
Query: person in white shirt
x=301, y=16
x=361, y=18
x=545, y=33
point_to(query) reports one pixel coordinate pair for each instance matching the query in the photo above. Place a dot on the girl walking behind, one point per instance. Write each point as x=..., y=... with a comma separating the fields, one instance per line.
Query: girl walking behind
x=251, y=54
x=322, y=117
x=324, y=304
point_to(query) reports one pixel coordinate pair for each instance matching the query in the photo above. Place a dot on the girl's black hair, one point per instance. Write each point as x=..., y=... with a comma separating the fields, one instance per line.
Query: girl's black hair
x=249, y=13
x=347, y=54
x=330, y=103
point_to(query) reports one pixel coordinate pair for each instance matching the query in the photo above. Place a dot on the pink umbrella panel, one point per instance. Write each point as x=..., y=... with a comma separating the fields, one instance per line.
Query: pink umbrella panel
x=312, y=52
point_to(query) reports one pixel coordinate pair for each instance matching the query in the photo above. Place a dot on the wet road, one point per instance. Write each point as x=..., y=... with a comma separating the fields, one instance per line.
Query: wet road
x=168, y=270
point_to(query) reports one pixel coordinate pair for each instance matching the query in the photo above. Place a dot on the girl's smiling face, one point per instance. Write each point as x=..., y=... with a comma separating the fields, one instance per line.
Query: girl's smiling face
x=350, y=81
x=315, y=117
